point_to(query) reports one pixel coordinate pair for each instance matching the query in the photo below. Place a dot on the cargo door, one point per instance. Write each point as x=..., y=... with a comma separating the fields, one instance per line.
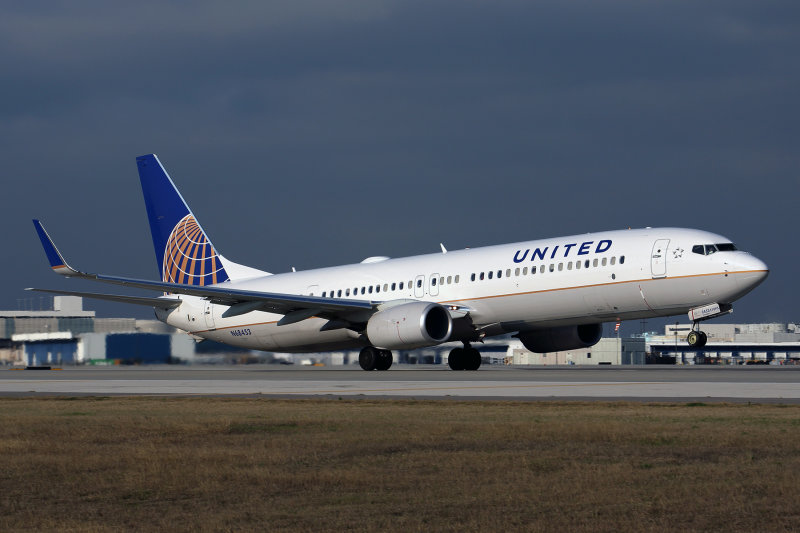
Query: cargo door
x=658, y=259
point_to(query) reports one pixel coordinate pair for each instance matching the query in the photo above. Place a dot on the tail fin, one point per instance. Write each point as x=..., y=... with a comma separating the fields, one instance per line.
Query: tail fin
x=183, y=251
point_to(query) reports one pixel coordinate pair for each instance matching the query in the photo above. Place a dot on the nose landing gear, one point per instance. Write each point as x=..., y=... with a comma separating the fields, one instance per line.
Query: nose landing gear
x=696, y=338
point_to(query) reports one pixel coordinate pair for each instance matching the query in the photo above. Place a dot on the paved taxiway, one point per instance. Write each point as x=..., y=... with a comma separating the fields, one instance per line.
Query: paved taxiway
x=652, y=383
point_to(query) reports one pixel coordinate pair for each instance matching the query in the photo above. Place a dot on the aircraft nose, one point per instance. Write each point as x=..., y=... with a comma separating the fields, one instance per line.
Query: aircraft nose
x=752, y=270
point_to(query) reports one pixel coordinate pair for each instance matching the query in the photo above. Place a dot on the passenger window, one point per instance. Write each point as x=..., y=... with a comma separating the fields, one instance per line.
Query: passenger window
x=516, y=271
x=569, y=265
x=394, y=286
x=323, y=294
x=552, y=267
x=481, y=276
x=508, y=272
x=385, y=287
x=525, y=271
x=347, y=292
x=586, y=264
x=577, y=265
x=541, y=269
x=377, y=288
x=449, y=279
x=491, y=273
x=370, y=289
x=560, y=267
x=604, y=261
x=621, y=259
x=441, y=280
x=472, y=277
x=457, y=278
x=613, y=260
x=339, y=293
x=433, y=282
x=419, y=283
x=363, y=290
x=401, y=285
x=594, y=263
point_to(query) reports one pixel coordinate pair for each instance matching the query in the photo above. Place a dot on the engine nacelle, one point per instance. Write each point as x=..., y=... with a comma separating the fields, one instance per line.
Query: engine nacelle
x=410, y=325
x=561, y=338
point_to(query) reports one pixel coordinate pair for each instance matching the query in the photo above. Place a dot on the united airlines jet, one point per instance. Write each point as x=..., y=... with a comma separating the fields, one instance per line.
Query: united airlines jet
x=553, y=294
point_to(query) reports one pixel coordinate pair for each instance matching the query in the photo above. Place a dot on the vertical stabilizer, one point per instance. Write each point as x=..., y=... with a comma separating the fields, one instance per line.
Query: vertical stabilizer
x=183, y=251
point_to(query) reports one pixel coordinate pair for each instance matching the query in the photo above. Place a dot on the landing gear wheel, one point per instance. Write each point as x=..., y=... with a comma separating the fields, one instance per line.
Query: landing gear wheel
x=472, y=359
x=384, y=361
x=456, y=359
x=368, y=358
x=696, y=339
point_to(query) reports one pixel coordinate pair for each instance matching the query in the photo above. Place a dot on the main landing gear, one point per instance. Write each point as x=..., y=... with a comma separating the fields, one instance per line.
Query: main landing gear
x=696, y=338
x=372, y=358
x=466, y=358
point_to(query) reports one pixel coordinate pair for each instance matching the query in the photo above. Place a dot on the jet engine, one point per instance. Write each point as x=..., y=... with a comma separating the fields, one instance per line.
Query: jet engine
x=410, y=325
x=561, y=338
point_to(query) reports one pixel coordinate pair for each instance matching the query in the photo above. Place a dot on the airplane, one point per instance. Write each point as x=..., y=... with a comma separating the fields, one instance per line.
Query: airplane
x=552, y=294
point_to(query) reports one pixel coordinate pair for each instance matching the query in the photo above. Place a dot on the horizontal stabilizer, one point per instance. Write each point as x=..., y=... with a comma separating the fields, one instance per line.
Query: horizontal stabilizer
x=163, y=302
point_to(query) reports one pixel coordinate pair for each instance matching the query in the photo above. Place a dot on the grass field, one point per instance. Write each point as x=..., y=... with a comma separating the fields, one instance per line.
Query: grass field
x=199, y=464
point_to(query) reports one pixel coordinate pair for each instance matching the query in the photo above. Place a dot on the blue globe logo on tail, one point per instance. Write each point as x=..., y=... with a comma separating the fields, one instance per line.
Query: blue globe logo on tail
x=189, y=257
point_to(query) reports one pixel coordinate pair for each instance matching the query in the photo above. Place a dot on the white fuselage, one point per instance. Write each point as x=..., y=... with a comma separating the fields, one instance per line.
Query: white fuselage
x=584, y=279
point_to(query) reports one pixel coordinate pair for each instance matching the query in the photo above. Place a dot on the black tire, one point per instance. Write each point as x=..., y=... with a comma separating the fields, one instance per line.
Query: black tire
x=693, y=338
x=456, y=359
x=703, y=339
x=368, y=358
x=384, y=361
x=472, y=359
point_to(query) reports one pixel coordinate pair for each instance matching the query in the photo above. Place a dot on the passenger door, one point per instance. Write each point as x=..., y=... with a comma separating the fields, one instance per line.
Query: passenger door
x=658, y=259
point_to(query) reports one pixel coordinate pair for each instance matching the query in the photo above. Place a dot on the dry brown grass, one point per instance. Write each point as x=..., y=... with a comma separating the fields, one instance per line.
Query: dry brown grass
x=197, y=464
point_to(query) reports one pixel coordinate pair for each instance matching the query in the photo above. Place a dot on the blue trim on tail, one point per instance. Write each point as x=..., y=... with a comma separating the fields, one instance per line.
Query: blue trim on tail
x=183, y=251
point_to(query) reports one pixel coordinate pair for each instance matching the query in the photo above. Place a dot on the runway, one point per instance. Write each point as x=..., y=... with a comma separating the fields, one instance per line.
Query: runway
x=651, y=383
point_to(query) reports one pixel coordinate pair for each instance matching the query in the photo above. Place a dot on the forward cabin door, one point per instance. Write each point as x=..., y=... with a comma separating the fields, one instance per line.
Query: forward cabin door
x=658, y=259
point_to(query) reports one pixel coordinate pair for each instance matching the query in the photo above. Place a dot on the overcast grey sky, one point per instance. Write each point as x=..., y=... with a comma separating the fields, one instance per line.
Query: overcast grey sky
x=313, y=133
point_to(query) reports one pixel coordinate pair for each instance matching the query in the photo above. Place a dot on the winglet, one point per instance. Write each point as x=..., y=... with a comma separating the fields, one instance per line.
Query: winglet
x=57, y=262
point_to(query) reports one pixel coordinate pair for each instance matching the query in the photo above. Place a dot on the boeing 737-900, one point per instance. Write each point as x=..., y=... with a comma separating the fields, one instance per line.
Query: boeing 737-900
x=553, y=294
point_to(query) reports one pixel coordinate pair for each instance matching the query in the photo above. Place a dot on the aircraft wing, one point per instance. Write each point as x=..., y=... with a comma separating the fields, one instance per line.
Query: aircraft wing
x=241, y=301
x=162, y=302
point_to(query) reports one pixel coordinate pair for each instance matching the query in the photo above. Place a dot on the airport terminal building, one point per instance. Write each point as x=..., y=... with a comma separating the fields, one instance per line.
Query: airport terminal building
x=66, y=334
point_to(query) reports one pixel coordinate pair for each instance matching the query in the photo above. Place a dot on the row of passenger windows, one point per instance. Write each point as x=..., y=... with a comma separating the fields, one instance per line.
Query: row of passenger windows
x=447, y=280
x=386, y=287
x=552, y=267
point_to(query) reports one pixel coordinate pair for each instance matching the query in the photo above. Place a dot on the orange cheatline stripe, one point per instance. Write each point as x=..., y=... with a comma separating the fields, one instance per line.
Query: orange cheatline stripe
x=530, y=292
x=604, y=284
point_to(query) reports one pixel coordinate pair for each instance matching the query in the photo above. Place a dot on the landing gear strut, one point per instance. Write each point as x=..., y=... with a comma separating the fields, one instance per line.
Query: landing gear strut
x=696, y=338
x=466, y=358
x=372, y=358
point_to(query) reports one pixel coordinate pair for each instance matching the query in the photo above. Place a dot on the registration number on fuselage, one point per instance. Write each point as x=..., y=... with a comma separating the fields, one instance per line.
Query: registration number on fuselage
x=240, y=332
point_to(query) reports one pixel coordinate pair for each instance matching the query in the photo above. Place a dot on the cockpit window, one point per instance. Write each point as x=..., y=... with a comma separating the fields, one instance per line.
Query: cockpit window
x=708, y=249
